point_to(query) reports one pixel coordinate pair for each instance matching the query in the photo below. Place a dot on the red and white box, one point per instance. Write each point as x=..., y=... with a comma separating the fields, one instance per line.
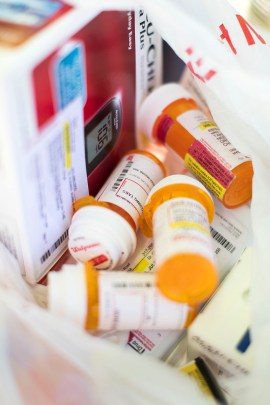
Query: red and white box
x=70, y=85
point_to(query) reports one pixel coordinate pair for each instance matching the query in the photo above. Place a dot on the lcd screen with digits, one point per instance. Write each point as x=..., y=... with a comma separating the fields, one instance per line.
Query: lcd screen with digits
x=101, y=133
x=99, y=138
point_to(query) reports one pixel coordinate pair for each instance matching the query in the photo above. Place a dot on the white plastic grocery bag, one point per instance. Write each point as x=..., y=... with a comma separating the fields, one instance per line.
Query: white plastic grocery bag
x=230, y=61
x=45, y=360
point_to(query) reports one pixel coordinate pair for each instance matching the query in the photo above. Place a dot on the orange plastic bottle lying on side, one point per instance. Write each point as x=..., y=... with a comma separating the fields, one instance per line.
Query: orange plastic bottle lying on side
x=100, y=300
x=103, y=228
x=171, y=116
x=177, y=214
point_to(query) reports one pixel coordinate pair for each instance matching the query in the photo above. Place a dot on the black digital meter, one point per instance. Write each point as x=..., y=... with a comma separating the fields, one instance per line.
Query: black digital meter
x=101, y=133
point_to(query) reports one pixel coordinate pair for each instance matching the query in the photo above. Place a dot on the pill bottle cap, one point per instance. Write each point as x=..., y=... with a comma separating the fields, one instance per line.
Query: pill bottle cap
x=102, y=236
x=177, y=179
x=67, y=293
x=171, y=187
x=155, y=102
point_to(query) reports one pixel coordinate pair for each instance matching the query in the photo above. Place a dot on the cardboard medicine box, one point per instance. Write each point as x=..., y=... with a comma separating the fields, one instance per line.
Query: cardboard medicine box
x=70, y=83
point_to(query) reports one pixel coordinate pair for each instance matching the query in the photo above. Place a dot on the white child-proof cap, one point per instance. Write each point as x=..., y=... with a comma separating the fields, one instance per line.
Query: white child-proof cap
x=155, y=102
x=98, y=232
x=177, y=179
x=67, y=293
x=174, y=179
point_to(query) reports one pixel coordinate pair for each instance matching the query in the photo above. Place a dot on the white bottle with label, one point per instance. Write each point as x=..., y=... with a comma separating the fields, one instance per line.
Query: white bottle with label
x=98, y=300
x=103, y=229
x=177, y=213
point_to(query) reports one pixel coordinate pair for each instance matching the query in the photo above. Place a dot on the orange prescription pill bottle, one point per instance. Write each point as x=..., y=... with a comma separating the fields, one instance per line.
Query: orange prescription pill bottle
x=113, y=300
x=103, y=229
x=177, y=212
x=171, y=116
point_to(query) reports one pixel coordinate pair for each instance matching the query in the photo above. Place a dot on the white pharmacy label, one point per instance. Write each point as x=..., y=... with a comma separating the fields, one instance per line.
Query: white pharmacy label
x=231, y=233
x=53, y=178
x=142, y=260
x=130, y=183
x=180, y=226
x=210, y=136
x=132, y=301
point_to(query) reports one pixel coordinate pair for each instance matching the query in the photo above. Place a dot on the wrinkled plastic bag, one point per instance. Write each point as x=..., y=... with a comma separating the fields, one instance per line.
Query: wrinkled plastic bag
x=230, y=61
x=46, y=360
x=234, y=78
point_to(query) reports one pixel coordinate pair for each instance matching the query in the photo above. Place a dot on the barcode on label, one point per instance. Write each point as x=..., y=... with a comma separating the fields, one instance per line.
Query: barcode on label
x=122, y=175
x=221, y=240
x=56, y=244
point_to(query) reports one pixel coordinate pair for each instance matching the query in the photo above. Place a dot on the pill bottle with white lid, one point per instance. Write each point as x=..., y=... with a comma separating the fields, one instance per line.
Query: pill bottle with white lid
x=171, y=116
x=115, y=300
x=177, y=214
x=103, y=228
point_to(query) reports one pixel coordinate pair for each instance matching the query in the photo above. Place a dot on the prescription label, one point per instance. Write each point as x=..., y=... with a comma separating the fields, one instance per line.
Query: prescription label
x=204, y=175
x=231, y=234
x=132, y=301
x=181, y=225
x=211, y=156
x=130, y=183
x=142, y=260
